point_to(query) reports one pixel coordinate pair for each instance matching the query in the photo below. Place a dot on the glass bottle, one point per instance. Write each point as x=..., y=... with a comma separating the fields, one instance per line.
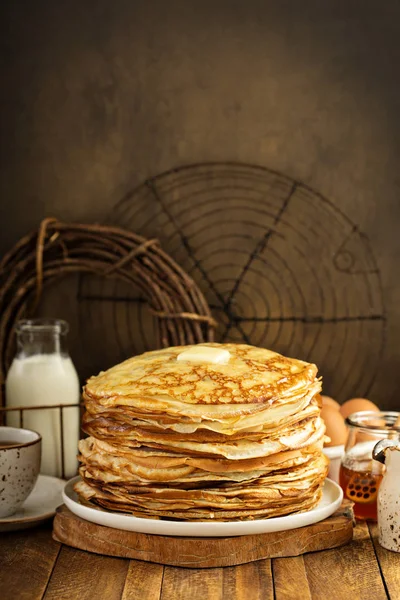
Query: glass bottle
x=360, y=475
x=42, y=374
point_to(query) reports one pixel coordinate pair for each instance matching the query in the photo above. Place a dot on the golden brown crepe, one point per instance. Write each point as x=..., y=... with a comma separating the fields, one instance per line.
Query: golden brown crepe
x=200, y=440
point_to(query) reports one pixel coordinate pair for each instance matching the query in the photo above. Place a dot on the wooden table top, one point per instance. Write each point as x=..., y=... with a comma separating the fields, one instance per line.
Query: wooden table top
x=33, y=566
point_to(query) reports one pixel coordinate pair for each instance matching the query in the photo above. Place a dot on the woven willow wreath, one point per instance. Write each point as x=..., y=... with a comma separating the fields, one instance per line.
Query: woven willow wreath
x=58, y=249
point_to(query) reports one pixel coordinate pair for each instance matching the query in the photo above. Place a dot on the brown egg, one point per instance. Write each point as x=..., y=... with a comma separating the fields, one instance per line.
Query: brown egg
x=355, y=405
x=336, y=429
x=328, y=401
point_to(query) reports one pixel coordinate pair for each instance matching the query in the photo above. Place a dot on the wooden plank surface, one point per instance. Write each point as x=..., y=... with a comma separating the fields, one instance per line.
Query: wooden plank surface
x=32, y=567
x=192, y=584
x=251, y=581
x=389, y=563
x=289, y=577
x=82, y=576
x=347, y=573
x=143, y=581
x=27, y=559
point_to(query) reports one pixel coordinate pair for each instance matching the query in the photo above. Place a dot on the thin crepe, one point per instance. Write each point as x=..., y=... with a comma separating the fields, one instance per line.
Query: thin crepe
x=200, y=441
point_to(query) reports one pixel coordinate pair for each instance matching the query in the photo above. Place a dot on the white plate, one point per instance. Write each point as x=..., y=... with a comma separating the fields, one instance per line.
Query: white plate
x=331, y=500
x=40, y=505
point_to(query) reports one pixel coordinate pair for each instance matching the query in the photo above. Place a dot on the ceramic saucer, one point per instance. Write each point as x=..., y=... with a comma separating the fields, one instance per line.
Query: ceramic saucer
x=40, y=505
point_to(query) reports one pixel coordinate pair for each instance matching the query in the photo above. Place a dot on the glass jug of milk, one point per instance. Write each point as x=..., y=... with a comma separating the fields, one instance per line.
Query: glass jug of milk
x=42, y=374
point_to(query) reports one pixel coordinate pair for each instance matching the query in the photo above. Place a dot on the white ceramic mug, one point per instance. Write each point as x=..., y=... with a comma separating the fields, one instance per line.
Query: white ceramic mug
x=20, y=454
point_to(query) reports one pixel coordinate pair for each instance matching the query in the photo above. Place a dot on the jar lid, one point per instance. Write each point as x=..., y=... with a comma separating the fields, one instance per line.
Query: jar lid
x=383, y=422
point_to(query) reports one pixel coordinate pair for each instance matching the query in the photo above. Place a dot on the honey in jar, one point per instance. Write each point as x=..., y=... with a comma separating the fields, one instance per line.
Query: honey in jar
x=361, y=487
x=360, y=475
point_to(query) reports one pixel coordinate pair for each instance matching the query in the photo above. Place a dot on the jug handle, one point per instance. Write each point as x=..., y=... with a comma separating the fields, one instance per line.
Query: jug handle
x=379, y=451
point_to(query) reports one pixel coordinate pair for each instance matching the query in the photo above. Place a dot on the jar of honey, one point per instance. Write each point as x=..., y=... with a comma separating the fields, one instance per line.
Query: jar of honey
x=360, y=475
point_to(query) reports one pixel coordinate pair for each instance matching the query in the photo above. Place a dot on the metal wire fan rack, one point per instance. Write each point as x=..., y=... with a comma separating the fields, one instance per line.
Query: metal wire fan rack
x=280, y=265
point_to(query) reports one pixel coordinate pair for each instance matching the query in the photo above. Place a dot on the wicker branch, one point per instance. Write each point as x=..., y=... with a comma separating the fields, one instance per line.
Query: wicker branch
x=57, y=249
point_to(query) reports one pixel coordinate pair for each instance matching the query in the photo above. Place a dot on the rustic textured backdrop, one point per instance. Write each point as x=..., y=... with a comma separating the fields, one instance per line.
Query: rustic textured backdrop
x=97, y=96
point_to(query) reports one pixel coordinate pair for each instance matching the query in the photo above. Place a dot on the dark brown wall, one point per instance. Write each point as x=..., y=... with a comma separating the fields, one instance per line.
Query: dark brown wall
x=99, y=95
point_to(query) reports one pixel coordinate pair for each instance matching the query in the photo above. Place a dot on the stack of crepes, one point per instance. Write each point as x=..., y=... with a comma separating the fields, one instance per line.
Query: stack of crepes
x=192, y=439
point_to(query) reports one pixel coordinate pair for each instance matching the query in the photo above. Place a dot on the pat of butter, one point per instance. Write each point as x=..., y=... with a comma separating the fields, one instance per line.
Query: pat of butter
x=205, y=354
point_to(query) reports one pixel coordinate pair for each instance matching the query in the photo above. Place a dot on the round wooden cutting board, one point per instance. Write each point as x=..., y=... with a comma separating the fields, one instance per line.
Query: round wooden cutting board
x=202, y=552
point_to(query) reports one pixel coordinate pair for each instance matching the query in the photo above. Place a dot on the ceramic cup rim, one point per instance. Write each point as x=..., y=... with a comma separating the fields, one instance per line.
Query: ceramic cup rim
x=37, y=439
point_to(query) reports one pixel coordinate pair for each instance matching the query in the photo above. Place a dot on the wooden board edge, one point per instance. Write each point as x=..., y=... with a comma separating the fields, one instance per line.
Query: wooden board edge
x=209, y=552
